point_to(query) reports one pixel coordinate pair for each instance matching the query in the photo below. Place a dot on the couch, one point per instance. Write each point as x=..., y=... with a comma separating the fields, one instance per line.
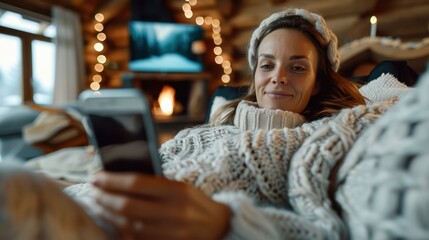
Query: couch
x=12, y=145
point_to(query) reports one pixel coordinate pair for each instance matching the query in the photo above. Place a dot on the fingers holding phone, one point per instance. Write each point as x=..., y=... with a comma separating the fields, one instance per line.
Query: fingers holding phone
x=160, y=208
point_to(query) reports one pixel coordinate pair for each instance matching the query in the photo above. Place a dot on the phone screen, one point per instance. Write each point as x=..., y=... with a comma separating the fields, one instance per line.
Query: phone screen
x=122, y=142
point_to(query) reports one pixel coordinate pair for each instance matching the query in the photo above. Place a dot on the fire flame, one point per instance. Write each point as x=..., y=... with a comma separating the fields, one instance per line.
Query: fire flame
x=166, y=100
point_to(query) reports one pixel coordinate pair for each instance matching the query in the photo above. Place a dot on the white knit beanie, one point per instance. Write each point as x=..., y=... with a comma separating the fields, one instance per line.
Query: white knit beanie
x=316, y=20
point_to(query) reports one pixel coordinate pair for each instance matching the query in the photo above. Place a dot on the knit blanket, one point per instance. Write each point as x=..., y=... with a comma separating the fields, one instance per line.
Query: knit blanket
x=383, y=184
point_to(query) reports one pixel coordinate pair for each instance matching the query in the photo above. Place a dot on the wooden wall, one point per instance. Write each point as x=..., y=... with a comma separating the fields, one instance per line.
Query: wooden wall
x=349, y=19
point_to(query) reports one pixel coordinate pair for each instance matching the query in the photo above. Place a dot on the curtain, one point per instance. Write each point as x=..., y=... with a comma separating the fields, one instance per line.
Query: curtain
x=69, y=70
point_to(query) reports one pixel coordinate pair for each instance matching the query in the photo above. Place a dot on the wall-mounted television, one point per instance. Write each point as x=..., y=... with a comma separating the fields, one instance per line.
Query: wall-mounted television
x=165, y=47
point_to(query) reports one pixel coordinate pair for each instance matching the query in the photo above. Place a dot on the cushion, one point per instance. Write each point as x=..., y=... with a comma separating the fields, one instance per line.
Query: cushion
x=224, y=94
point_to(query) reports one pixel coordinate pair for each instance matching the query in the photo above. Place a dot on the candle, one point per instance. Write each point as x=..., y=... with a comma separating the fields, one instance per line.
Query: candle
x=373, y=22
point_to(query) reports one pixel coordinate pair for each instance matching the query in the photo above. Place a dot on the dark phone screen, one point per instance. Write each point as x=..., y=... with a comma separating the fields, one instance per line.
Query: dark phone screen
x=122, y=142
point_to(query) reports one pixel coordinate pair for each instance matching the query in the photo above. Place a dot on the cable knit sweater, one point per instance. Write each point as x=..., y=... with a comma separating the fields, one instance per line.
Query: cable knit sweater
x=275, y=179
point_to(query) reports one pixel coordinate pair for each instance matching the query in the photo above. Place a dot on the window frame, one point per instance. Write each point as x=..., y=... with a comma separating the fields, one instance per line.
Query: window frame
x=27, y=56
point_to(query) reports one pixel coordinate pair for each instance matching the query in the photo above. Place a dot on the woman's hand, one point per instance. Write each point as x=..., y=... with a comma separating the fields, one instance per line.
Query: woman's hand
x=147, y=207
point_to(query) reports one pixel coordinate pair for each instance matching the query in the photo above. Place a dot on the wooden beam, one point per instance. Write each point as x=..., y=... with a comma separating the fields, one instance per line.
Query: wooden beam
x=275, y=2
x=251, y=16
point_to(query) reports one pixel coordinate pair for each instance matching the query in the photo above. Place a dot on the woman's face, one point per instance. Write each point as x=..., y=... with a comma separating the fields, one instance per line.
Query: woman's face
x=285, y=76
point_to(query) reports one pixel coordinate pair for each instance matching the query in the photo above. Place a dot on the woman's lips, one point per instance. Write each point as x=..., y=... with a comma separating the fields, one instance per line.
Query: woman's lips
x=278, y=94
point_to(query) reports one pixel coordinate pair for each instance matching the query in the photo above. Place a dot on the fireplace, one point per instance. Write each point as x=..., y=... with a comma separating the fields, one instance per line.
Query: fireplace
x=190, y=97
x=168, y=99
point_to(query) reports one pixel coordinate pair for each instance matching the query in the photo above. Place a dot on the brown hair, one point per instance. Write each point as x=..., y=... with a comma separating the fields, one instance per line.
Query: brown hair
x=335, y=92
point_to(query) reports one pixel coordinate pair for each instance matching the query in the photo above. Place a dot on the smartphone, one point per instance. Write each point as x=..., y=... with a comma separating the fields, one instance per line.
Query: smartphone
x=119, y=124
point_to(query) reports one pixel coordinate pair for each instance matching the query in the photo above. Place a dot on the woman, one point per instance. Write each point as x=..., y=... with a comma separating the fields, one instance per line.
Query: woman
x=243, y=160
x=238, y=178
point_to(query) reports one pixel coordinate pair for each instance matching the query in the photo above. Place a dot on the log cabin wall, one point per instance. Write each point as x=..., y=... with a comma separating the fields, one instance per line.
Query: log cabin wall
x=349, y=19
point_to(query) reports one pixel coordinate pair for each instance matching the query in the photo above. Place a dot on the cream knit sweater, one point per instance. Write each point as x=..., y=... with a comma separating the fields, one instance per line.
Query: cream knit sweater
x=275, y=179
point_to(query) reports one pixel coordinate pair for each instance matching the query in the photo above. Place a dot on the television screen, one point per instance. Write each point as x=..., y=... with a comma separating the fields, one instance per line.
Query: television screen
x=165, y=47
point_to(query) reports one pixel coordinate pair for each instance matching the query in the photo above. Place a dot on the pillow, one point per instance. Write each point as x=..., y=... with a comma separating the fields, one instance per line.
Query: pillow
x=228, y=93
x=383, y=88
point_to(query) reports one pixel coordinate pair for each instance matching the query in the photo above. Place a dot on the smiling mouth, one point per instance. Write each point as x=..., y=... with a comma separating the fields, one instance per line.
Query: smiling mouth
x=277, y=94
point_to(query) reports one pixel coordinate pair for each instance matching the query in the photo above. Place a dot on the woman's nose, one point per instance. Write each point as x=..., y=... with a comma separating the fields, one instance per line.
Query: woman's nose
x=279, y=79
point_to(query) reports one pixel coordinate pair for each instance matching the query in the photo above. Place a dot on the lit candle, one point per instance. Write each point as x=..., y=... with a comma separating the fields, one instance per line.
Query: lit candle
x=373, y=22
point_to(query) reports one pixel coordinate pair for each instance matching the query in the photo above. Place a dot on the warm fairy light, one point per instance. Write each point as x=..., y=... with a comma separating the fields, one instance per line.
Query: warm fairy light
x=98, y=27
x=199, y=21
x=216, y=23
x=216, y=36
x=98, y=47
x=101, y=59
x=189, y=14
x=217, y=41
x=208, y=20
x=226, y=78
x=99, y=17
x=186, y=7
x=99, y=67
x=217, y=50
x=101, y=36
x=219, y=59
x=216, y=29
x=226, y=64
x=227, y=70
x=95, y=86
x=97, y=78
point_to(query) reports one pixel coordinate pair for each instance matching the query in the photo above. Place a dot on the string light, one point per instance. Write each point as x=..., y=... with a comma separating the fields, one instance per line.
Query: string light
x=99, y=67
x=99, y=47
x=101, y=37
x=99, y=27
x=101, y=59
x=217, y=50
x=95, y=86
x=97, y=78
x=216, y=36
x=99, y=17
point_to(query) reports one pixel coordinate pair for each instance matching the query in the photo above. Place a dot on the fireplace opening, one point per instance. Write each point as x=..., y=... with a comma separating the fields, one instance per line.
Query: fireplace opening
x=168, y=98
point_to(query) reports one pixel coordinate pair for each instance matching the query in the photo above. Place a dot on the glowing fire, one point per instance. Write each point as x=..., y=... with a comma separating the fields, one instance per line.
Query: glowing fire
x=166, y=100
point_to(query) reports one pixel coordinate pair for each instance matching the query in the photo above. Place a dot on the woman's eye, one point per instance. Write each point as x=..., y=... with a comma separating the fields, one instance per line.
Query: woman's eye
x=266, y=66
x=297, y=68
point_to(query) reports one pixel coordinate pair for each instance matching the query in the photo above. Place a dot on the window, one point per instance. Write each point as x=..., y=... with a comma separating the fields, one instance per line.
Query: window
x=10, y=70
x=27, y=57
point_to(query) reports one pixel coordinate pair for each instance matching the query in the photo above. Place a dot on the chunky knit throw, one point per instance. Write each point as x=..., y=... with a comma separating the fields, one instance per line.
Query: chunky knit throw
x=384, y=181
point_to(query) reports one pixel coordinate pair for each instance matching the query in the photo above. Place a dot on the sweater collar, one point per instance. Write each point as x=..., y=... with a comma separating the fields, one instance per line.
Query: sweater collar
x=249, y=116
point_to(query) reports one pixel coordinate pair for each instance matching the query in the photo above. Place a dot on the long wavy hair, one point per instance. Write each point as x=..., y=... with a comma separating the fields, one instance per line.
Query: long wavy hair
x=334, y=91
